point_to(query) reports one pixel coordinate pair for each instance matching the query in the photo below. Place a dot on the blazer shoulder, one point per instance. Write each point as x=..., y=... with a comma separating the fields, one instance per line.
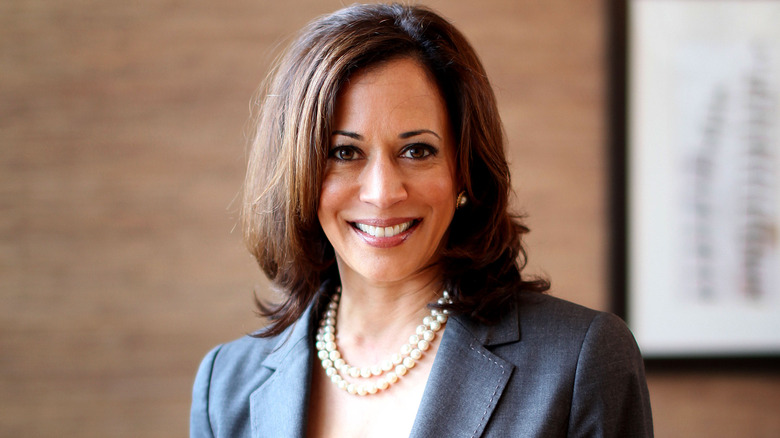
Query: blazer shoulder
x=546, y=312
x=227, y=376
x=599, y=327
x=248, y=348
x=241, y=359
x=558, y=330
x=591, y=360
x=575, y=371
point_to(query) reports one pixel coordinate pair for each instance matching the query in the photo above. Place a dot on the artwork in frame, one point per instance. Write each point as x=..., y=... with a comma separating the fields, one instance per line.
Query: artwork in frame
x=698, y=118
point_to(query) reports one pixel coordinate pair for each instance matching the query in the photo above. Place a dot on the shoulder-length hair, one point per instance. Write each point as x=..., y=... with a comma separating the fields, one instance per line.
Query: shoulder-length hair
x=483, y=256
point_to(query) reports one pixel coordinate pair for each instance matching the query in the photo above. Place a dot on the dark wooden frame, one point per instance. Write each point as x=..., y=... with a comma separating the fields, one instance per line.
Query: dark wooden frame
x=618, y=100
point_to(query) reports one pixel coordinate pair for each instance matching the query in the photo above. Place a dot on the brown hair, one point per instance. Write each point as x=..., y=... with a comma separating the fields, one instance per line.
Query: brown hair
x=483, y=257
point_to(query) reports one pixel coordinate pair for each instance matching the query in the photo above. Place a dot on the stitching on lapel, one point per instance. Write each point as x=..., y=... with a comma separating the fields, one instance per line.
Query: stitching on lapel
x=495, y=391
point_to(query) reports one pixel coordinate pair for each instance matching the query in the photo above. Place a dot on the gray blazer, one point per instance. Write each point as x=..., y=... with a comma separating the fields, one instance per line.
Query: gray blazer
x=550, y=368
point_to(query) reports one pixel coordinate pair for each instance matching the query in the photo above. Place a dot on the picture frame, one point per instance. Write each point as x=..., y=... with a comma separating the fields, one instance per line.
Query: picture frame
x=694, y=108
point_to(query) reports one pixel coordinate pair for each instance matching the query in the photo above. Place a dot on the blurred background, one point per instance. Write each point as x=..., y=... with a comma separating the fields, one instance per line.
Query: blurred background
x=122, y=153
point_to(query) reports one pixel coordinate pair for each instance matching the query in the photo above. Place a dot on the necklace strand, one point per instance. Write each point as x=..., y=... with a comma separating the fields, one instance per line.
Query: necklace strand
x=388, y=371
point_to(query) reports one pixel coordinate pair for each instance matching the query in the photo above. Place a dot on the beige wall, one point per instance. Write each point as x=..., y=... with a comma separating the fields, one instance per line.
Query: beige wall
x=121, y=152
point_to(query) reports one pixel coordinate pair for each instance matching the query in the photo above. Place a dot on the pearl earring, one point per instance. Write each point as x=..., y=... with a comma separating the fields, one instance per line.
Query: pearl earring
x=462, y=200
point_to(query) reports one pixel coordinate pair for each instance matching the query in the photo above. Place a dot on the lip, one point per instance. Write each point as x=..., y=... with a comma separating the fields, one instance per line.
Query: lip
x=385, y=242
x=389, y=222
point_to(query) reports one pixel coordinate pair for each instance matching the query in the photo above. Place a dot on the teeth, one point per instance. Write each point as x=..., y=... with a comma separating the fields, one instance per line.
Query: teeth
x=384, y=231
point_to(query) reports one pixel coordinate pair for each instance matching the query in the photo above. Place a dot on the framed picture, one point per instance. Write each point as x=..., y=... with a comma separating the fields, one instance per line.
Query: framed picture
x=695, y=107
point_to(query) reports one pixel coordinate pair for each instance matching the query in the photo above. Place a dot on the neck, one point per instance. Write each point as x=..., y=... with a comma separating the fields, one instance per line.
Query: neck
x=375, y=318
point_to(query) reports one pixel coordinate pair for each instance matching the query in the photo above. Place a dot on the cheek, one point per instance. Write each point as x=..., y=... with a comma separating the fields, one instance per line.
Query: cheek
x=326, y=200
x=439, y=192
x=447, y=184
x=333, y=194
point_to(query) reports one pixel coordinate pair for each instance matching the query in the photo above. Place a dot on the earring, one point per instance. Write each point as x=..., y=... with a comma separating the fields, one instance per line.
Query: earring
x=462, y=200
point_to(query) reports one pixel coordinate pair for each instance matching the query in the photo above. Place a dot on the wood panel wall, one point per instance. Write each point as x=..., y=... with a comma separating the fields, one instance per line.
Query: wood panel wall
x=121, y=154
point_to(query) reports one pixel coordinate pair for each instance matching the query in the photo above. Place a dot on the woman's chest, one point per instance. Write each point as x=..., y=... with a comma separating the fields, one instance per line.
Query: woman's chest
x=390, y=413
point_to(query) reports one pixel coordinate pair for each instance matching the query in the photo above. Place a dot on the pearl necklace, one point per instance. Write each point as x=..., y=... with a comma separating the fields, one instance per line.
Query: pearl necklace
x=388, y=371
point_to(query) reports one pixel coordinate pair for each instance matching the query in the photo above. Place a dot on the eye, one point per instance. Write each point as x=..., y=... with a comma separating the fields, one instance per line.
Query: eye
x=418, y=151
x=343, y=153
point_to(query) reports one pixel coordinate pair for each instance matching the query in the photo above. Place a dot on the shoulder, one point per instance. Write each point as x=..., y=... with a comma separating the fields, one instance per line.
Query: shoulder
x=538, y=308
x=559, y=343
x=584, y=336
x=246, y=362
x=590, y=359
x=236, y=358
x=554, y=321
x=550, y=335
x=575, y=371
x=230, y=373
x=226, y=378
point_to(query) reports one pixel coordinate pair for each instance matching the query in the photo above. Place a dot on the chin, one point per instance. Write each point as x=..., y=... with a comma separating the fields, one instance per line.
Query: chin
x=382, y=273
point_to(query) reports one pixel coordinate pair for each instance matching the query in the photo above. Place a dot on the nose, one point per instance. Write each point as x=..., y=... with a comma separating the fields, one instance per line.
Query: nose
x=382, y=183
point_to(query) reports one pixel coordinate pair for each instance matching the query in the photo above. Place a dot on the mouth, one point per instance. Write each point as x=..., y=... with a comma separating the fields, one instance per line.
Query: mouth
x=389, y=231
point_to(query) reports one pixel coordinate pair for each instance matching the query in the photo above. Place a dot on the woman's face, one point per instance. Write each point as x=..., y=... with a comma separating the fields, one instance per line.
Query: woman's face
x=389, y=190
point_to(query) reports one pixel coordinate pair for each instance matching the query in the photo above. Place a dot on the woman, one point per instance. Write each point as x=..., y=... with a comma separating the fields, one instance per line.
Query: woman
x=376, y=202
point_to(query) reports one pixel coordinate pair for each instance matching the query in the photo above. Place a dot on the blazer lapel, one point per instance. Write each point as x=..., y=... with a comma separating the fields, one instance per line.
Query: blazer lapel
x=464, y=387
x=467, y=379
x=278, y=407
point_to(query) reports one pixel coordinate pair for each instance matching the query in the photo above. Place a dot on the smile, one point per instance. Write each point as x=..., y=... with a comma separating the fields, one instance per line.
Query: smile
x=384, y=231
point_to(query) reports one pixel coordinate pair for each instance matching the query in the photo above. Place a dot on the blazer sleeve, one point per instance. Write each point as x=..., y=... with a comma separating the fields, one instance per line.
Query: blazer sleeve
x=610, y=396
x=200, y=423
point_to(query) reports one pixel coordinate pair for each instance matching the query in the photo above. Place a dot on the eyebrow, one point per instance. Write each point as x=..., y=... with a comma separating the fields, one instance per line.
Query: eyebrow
x=418, y=132
x=403, y=135
x=348, y=134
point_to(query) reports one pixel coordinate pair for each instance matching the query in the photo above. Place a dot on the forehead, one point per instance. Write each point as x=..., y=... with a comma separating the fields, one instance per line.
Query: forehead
x=407, y=64
x=397, y=89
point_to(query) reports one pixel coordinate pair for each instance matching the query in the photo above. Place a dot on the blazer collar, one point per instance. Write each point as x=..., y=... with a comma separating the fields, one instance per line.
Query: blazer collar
x=507, y=330
x=467, y=379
